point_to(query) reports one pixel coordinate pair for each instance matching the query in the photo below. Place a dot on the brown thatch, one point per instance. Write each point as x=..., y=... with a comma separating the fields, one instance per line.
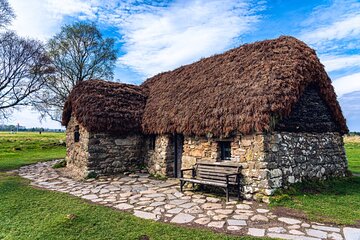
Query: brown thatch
x=102, y=106
x=242, y=90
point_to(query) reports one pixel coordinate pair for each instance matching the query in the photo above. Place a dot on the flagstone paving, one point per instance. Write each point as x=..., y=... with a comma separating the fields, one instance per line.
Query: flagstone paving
x=161, y=201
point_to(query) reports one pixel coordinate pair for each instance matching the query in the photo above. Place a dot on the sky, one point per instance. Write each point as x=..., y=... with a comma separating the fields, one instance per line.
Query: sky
x=157, y=36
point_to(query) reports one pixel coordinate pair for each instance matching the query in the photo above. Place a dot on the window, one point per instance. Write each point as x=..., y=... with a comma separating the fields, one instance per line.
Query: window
x=225, y=150
x=152, y=142
x=76, y=134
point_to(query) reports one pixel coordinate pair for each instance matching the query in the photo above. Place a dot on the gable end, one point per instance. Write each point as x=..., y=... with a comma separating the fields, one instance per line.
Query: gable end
x=310, y=114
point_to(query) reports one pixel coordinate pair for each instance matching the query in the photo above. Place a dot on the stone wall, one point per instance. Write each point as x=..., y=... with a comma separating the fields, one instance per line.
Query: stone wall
x=310, y=114
x=111, y=154
x=102, y=153
x=270, y=161
x=198, y=148
x=248, y=151
x=293, y=157
x=77, y=152
x=161, y=159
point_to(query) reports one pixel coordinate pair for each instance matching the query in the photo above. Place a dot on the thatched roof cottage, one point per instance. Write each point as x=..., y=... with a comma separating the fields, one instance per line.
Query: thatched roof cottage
x=267, y=106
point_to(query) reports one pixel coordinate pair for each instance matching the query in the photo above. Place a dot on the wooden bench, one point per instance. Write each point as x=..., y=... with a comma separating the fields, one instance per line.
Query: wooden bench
x=218, y=174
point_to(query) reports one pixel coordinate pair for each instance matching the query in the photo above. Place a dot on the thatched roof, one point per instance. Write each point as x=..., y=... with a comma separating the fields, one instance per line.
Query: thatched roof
x=102, y=106
x=246, y=89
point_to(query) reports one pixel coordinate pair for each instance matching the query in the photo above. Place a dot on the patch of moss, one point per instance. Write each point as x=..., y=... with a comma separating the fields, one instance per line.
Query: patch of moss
x=60, y=164
x=91, y=174
x=158, y=177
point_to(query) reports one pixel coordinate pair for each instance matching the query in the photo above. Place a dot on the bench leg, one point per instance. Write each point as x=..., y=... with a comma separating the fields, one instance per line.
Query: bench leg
x=238, y=192
x=193, y=185
x=227, y=194
x=181, y=186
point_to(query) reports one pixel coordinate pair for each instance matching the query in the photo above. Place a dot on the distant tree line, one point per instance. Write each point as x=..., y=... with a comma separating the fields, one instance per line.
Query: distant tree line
x=14, y=128
x=354, y=133
x=42, y=75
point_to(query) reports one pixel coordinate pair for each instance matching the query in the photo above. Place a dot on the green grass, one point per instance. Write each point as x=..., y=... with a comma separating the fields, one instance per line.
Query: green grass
x=335, y=201
x=25, y=148
x=353, y=155
x=29, y=213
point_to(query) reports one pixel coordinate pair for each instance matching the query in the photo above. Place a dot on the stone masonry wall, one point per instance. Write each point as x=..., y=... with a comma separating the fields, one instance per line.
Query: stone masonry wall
x=102, y=153
x=161, y=159
x=293, y=157
x=310, y=114
x=270, y=161
x=111, y=154
x=77, y=152
x=248, y=151
x=198, y=148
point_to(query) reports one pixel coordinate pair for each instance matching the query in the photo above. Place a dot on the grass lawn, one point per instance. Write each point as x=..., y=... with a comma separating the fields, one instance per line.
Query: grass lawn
x=24, y=148
x=352, y=147
x=29, y=213
x=335, y=201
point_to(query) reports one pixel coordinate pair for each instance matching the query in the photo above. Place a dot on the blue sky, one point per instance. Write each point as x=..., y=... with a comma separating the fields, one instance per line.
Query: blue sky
x=156, y=36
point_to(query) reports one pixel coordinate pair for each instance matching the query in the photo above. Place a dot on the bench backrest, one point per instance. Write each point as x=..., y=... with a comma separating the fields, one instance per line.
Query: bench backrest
x=217, y=171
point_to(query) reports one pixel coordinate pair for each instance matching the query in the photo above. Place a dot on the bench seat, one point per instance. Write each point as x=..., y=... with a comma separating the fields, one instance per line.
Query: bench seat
x=204, y=182
x=223, y=175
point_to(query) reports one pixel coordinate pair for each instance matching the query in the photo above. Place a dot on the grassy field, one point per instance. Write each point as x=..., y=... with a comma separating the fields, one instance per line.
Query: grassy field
x=352, y=147
x=335, y=201
x=29, y=213
x=24, y=148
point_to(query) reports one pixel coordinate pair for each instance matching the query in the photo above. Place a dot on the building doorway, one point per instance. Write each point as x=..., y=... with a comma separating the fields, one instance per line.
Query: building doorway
x=178, y=150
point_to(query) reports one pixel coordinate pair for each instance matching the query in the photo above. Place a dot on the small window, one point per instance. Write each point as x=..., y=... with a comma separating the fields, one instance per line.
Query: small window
x=152, y=142
x=225, y=150
x=76, y=134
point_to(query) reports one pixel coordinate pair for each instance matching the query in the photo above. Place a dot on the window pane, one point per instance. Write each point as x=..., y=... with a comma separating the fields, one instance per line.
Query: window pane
x=76, y=134
x=225, y=148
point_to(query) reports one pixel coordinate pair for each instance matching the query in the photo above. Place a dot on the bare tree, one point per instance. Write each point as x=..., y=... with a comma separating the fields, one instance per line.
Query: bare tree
x=6, y=13
x=23, y=65
x=78, y=53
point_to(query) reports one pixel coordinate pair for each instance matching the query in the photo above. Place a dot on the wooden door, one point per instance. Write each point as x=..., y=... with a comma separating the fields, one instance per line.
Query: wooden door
x=178, y=150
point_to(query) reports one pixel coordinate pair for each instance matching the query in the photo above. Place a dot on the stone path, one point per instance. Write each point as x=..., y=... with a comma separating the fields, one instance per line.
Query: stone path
x=161, y=201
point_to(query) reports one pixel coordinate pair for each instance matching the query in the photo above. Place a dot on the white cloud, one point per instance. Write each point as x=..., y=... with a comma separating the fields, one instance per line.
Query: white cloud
x=334, y=63
x=334, y=31
x=348, y=27
x=338, y=21
x=33, y=19
x=347, y=84
x=159, y=38
x=41, y=19
x=87, y=9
